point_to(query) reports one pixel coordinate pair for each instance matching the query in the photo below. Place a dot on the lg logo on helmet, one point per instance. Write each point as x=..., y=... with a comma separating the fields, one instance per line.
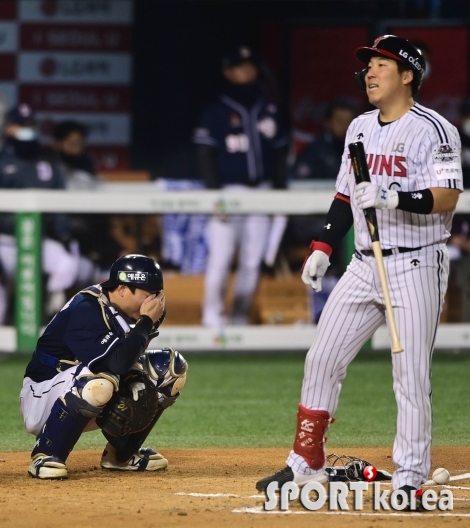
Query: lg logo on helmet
x=411, y=59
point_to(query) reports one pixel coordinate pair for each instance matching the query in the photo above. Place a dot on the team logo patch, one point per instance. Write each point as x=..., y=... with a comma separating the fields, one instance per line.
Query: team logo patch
x=267, y=127
x=130, y=276
x=235, y=119
x=445, y=153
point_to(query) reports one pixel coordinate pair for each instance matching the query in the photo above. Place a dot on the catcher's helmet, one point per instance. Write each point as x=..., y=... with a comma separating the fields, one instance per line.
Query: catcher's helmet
x=395, y=48
x=135, y=270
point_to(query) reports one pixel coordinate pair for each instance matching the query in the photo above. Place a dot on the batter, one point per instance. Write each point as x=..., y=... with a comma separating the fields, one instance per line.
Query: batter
x=413, y=155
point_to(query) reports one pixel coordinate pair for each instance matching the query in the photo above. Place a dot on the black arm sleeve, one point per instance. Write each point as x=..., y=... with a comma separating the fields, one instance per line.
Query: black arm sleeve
x=280, y=168
x=206, y=159
x=121, y=359
x=338, y=221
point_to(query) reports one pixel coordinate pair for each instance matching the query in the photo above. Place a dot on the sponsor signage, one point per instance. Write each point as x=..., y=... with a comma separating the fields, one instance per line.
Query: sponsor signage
x=83, y=11
x=76, y=98
x=8, y=37
x=91, y=68
x=72, y=59
x=66, y=37
x=103, y=129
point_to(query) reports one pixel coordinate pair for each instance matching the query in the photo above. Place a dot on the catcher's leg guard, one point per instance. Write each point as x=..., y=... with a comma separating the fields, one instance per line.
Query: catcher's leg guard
x=310, y=436
x=69, y=416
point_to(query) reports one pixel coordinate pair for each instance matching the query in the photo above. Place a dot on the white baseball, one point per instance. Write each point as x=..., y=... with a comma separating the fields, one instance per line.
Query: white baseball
x=441, y=476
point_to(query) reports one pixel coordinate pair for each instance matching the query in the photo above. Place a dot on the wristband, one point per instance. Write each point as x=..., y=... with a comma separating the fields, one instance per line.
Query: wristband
x=316, y=245
x=419, y=202
x=145, y=322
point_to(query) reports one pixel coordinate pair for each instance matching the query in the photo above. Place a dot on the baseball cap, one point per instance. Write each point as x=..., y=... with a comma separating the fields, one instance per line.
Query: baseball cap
x=396, y=48
x=21, y=114
x=237, y=55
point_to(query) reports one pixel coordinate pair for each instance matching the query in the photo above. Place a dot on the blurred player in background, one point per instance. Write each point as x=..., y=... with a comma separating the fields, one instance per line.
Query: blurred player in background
x=23, y=165
x=242, y=146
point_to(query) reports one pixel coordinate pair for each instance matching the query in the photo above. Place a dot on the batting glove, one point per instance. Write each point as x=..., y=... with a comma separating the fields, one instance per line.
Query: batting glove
x=372, y=195
x=314, y=269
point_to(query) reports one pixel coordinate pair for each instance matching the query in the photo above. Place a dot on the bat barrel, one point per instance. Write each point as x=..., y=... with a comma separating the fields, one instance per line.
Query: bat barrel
x=359, y=161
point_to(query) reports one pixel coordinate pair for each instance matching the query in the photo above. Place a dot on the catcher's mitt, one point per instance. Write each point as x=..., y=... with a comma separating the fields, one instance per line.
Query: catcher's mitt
x=132, y=407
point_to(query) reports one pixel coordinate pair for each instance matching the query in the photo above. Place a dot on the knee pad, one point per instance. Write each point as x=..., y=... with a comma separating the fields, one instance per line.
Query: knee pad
x=95, y=389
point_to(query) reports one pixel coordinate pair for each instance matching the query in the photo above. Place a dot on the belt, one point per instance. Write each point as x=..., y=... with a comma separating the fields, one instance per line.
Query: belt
x=54, y=362
x=388, y=252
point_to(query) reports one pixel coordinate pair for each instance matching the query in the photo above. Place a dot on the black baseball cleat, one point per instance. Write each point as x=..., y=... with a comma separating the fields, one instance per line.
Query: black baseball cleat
x=416, y=495
x=289, y=475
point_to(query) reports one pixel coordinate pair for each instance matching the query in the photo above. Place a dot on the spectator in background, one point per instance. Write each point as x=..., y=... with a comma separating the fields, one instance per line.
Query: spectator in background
x=459, y=241
x=320, y=162
x=242, y=145
x=24, y=164
x=322, y=158
x=102, y=238
x=69, y=139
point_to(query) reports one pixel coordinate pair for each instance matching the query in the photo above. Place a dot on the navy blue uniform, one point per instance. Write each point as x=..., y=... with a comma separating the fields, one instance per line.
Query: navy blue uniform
x=245, y=138
x=90, y=331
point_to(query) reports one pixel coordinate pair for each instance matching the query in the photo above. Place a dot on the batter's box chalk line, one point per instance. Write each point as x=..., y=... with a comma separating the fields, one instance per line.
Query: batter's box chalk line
x=455, y=477
x=259, y=510
x=208, y=494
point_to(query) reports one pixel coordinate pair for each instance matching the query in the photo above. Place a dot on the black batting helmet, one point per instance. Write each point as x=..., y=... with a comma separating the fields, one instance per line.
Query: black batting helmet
x=135, y=270
x=395, y=48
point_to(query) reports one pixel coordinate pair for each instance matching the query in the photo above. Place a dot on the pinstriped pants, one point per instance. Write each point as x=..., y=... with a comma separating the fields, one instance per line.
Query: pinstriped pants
x=354, y=310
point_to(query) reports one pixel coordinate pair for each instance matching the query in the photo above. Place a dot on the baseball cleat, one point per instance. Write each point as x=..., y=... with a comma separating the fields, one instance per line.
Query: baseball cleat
x=47, y=467
x=411, y=491
x=289, y=475
x=146, y=459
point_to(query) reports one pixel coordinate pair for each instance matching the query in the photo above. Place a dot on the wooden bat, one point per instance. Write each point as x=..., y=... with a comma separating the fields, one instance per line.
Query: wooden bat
x=361, y=173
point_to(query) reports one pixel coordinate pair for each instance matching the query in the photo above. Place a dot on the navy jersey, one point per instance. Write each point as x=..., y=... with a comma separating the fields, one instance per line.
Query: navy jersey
x=86, y=330
x=244, y=139
x=35, y=173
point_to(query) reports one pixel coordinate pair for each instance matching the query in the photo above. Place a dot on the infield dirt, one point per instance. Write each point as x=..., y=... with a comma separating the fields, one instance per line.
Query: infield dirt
x=92, y=497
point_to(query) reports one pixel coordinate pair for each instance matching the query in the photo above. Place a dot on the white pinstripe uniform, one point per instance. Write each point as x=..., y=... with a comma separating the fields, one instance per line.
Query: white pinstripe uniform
x=418, y=151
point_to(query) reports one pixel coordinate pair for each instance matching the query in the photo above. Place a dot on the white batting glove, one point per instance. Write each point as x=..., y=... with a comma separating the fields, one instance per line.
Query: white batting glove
x=372, y=195
x=314, y=269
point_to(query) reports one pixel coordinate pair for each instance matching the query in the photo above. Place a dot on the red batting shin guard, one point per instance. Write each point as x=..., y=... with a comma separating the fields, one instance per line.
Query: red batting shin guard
x=310, y=436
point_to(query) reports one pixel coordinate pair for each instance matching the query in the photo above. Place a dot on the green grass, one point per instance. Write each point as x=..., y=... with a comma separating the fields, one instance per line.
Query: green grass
x=250, y=400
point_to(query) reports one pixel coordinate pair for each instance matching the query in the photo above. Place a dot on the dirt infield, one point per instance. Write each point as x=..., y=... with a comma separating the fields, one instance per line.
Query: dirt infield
x=201, y=488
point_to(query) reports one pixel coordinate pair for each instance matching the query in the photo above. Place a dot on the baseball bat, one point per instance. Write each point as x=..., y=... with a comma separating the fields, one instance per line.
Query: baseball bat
x=361, y=173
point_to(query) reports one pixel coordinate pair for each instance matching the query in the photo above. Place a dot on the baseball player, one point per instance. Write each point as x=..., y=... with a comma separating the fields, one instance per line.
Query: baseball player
x=90, y=369
x=413, y=155
x=242, y=146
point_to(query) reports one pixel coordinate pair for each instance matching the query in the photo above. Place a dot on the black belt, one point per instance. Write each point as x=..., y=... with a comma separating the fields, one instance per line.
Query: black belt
x=388, y=252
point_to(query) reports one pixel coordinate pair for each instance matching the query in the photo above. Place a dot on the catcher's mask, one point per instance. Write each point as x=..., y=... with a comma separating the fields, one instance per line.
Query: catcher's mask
x=167, y=370
x=398, y=49
x=135, y=270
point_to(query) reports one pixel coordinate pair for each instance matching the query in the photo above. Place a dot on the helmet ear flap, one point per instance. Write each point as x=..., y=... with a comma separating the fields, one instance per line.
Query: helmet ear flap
x=360, y=79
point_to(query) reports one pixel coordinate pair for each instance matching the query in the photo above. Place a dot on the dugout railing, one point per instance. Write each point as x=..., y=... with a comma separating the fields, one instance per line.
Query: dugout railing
x=146, y=198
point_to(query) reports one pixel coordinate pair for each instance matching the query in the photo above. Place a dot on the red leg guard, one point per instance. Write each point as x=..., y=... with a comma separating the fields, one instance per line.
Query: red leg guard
x=310, y=436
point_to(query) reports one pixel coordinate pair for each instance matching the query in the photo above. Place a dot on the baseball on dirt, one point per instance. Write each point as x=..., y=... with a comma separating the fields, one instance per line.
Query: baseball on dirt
x=441, y=476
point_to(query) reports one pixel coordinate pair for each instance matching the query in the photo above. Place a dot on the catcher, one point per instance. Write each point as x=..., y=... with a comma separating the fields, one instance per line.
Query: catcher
x=91, y=370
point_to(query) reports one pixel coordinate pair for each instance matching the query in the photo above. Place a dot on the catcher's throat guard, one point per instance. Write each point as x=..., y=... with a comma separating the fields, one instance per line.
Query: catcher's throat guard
x=166, y=369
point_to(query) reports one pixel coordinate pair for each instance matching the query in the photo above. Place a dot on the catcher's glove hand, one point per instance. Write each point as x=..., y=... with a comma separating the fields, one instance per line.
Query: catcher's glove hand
x=132, y=407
